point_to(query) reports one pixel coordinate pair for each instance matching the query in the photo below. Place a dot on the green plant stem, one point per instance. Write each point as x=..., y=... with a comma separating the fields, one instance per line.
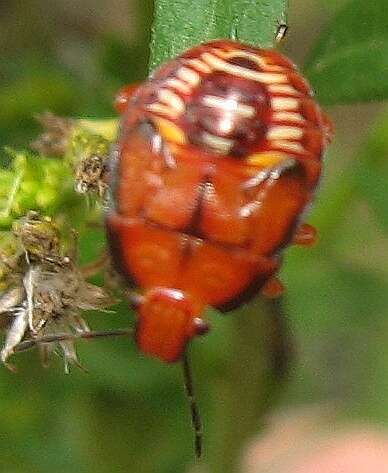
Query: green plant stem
x=180, y=24
x=258, y=339
x=257, y=367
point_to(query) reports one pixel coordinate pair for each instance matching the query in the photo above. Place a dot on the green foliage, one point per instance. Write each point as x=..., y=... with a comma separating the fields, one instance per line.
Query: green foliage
x=35, y=182
x=350, y=60
x=180, y=24
x=363, y=179
x=31, y=84
x=371, y=180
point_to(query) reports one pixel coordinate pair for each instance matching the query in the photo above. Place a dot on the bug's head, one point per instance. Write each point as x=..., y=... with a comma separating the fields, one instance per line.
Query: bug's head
x=168, y=320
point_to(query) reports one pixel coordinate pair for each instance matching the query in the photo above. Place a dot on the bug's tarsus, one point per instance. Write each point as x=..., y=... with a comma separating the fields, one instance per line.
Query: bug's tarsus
x=194, y=409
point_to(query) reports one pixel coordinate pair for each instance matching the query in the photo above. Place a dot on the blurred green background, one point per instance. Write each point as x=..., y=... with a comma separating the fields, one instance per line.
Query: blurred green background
x=129, y=413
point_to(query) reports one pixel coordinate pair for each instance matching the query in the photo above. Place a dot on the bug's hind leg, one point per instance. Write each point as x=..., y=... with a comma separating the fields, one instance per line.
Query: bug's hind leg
x=306, y=235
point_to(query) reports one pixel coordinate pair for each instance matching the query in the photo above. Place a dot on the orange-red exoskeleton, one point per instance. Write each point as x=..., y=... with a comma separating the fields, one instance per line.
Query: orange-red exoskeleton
x=218, y=157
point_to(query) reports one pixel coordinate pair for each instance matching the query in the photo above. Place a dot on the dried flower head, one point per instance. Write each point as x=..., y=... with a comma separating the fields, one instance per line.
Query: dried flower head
x=88, y=154
x=39, y=237
x=91, y=175
x=47, y=292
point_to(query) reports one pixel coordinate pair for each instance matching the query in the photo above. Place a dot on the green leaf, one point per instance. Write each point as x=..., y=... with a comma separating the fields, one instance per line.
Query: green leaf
x=373, y=173
x=36, y=183
x=30, y=86
x=350, y=61
x=364, y=178
x=180, y=24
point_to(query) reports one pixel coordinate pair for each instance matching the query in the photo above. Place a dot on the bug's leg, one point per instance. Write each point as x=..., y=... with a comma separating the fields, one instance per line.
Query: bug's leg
x=328, y=128
x=195, y=414
x=123, y=97
x=273, y=288
x=306, y=235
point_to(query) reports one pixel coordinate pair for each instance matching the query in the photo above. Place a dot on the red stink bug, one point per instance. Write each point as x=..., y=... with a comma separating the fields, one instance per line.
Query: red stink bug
x=218, y=156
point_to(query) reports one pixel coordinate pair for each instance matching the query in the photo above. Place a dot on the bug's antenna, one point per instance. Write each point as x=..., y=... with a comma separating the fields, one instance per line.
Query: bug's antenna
x=281, y=32
x=195, y=414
